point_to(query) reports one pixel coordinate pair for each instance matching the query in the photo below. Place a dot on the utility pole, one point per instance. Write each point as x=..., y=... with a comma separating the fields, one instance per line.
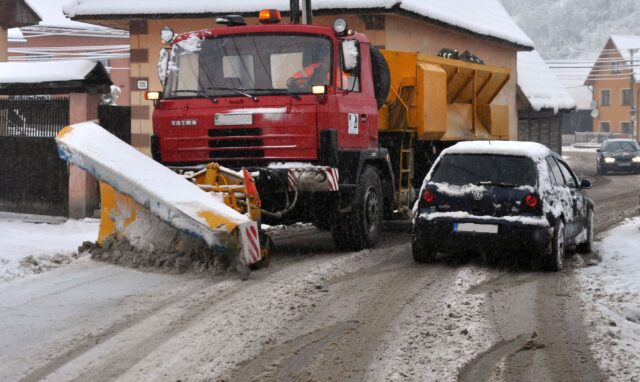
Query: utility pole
x=632, y=106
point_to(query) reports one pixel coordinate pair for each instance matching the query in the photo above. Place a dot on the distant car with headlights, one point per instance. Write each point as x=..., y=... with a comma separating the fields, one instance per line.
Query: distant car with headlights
x=490, y=196
x=618, y=155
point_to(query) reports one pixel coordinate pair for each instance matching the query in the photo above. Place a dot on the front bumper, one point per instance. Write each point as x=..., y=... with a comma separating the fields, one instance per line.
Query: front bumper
x=621, y=166
x=439, y=234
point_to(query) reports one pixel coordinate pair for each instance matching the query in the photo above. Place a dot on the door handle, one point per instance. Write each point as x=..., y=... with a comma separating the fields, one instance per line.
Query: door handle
x=363, y=118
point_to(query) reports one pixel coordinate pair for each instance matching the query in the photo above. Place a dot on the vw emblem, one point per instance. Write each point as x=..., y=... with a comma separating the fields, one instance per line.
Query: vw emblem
x=477, y=195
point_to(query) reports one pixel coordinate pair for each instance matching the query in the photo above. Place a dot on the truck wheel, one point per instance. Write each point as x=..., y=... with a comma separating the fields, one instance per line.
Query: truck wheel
x=361, y=227
x=587, y=246
x=381, y=76
x=555, y=257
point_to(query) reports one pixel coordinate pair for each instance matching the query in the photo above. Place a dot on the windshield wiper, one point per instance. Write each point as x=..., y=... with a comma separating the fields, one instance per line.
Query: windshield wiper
x=198, y=93
x=237, y=90
x=279, y=91
x=497, y=184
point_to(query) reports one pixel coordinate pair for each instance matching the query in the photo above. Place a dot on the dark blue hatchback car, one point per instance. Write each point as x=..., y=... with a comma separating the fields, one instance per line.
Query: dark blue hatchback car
x=518, y=197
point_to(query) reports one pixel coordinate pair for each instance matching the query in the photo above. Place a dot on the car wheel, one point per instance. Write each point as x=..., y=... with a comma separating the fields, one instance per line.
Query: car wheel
x=587, y=246
x=421, y=252
x=555, y=257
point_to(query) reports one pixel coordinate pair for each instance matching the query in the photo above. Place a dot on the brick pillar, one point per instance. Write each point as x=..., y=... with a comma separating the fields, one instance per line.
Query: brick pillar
x=83, y=188
x=4, y=44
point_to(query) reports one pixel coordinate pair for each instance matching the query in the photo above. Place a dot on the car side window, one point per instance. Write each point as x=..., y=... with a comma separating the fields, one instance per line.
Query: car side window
x=569, y=179
x=555, y=174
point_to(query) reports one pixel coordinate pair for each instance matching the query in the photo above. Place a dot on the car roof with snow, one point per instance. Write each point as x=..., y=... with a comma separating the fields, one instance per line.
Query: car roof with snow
x=528, y=149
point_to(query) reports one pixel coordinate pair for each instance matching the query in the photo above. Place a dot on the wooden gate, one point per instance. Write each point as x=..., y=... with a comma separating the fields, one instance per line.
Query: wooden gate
x=33, y=179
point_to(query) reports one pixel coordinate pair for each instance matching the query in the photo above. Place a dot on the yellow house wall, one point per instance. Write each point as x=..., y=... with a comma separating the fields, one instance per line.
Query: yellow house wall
x=400, y=33
x=615, y=113
x=4, y=44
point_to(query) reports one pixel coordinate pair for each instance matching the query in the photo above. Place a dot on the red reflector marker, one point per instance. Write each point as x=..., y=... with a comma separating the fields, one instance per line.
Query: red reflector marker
x=429, y=196
x=531, y=201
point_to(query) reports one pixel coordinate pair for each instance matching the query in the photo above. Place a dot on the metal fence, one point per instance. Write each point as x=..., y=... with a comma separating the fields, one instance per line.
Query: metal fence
x=596, y=138
x=33, y=116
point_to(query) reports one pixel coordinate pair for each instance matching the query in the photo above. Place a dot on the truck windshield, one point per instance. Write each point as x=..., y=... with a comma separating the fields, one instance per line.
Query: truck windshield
x=250, y=65
x=485, y=169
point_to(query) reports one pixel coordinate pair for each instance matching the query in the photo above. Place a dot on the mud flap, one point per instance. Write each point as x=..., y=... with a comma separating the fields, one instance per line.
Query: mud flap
x=250, y=242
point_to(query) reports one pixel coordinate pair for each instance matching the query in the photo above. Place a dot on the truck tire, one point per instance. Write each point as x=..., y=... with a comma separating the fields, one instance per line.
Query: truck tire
x=361, y=227
x=381, y=76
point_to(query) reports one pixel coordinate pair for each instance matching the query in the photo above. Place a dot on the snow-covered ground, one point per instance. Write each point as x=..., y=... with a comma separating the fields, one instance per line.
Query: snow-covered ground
x=27, y=247
x=612, y=302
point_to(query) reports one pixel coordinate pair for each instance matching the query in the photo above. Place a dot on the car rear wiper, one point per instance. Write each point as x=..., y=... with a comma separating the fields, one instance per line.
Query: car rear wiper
x=237, y=90
x=199, y=93
x=279, y=91
x=497, y=184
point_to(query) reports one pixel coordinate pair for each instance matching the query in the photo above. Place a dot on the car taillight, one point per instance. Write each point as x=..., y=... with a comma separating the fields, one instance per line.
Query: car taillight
x=531, y=201
x=429, y=197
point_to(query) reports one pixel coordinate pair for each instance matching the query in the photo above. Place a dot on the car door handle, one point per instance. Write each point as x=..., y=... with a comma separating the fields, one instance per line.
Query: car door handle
x=363, y=118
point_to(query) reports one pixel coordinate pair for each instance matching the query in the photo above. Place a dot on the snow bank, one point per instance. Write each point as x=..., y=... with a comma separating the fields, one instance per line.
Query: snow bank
x=612, y=296
x=46, y=71
x=486, y=17
x=540, y=85
x=173, y=199
x=27, y=247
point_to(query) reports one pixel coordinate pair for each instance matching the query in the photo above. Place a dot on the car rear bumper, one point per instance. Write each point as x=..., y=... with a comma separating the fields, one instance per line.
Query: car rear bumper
x=439, y=234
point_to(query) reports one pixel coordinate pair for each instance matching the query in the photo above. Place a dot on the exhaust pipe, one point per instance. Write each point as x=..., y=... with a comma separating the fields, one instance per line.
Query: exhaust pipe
x=294, y=8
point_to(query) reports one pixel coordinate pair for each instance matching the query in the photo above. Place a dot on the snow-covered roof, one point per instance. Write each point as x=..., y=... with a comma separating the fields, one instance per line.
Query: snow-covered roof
x=44, y=71
x=625, y=44
x=486, y=17
x=541, y=87
x=14, y=35
x=528, y=149
x=50, y=11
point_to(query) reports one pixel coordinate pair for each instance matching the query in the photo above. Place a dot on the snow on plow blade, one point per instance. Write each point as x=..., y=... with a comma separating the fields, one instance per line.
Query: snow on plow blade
x=152, y=207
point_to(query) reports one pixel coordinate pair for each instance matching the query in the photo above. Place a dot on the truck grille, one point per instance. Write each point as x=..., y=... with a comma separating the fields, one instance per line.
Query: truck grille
x=237, y=143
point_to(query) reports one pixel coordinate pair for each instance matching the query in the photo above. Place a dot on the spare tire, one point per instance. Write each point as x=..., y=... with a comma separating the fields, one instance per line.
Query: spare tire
x=381, y=76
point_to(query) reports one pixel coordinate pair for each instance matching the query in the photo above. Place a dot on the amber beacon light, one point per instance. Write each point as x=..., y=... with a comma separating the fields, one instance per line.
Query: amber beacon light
x=269, y=16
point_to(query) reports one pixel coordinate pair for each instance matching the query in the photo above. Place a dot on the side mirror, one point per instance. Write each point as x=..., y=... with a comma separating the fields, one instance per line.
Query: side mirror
x=163, y=63
x=350, y=55
x=598, y=150
x=585, y=184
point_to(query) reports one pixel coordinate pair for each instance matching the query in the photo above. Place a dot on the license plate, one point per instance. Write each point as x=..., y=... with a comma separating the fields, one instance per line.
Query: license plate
x=624, y=164
x=233, y=119
x=472, y=227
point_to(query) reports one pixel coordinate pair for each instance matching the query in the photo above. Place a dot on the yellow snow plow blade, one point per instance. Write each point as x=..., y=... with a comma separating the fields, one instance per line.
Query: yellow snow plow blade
x=155, y=209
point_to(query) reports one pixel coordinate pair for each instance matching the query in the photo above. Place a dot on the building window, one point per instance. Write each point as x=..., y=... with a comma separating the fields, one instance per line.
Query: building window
x=625, y=127
x=605, y=97
x=615, y=67
x=626, y=97
x=605, y=127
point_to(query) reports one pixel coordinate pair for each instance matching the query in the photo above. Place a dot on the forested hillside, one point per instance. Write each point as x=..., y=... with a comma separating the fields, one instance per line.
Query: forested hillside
x=574, y=28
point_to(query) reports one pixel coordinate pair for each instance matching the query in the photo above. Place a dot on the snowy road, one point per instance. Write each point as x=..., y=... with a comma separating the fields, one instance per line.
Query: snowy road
x=316, y=314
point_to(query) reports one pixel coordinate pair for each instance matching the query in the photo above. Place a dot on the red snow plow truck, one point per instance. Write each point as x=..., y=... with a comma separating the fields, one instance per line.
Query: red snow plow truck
x=332, y=130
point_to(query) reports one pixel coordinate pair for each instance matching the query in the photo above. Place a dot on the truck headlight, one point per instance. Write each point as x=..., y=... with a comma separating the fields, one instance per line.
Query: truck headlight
x=636, y=159
x=609, y=160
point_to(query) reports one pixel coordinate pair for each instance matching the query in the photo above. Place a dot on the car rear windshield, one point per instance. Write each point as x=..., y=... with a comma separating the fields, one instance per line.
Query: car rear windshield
x=463, y=169
x=621, y=146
